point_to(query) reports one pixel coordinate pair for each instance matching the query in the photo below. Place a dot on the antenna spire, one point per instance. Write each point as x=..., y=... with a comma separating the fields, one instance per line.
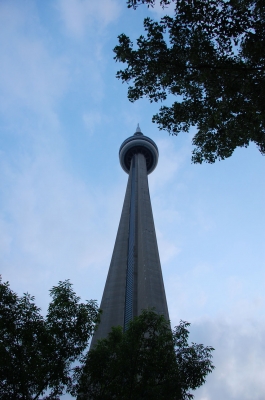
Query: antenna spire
x=138, y=130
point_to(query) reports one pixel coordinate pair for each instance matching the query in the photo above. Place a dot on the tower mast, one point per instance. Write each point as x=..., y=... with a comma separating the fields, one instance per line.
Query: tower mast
x=134, y=280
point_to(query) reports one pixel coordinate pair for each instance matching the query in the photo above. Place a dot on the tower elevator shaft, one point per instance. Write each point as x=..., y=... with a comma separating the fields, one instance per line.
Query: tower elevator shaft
x=134, y=280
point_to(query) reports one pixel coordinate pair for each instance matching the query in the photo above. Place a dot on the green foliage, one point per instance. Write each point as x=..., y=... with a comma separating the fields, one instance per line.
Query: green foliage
x=211, y=57
x=135, y=3
x=148, y=361
x=36, y=353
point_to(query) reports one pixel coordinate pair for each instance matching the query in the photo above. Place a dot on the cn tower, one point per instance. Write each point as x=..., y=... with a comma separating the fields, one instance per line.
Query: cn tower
x=134, y=280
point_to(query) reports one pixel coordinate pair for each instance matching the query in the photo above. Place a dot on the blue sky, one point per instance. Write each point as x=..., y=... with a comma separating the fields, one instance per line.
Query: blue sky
x=63, y=116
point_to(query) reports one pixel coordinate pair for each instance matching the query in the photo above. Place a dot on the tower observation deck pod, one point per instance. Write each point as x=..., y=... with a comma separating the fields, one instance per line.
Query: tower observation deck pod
x=138, y=143
x=134, y=280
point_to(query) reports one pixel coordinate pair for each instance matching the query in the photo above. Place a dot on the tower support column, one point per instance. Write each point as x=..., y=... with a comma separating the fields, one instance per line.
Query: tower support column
x=134, y=280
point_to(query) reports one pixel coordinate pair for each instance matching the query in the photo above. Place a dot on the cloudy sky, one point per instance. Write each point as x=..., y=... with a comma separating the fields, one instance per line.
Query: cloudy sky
x=63, y=116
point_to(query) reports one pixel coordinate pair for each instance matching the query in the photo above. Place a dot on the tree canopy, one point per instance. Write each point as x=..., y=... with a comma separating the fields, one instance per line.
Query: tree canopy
x=147, y=361
x=37, y=353
x=38, y=356
x=210, y=58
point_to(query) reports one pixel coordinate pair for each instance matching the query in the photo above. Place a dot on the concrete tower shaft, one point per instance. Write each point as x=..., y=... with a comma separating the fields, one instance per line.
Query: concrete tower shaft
x=134, y=280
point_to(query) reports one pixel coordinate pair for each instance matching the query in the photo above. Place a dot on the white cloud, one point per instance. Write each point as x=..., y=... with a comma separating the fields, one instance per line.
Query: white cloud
x=53, y=225
x=167, y=248
x=163, y=197
x=31, y=76
x=5, y=237
x=51, y=222
x=79, y=16
x=91, y=120
x=168, y=166
x=238, y=357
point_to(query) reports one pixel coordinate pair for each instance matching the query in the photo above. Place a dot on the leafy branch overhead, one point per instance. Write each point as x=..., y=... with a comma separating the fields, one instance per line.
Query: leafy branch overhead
x=211, y=57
